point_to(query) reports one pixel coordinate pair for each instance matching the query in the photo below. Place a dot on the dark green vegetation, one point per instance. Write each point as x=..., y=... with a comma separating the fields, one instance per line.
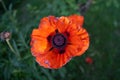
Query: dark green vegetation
x=102, y=21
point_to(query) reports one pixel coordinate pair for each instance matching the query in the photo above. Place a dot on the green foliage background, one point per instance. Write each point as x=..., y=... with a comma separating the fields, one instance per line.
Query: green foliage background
x=102, y=21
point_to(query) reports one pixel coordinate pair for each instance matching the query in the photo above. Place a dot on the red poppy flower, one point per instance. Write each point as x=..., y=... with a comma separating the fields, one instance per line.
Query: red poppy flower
x=58, y=39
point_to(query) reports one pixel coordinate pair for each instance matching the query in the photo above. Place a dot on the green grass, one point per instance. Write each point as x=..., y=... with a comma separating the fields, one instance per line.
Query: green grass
x=102, y=21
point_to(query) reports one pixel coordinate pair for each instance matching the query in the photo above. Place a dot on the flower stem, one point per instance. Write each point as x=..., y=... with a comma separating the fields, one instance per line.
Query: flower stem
x=10, y=46
x=3, y=4
x=13, y=50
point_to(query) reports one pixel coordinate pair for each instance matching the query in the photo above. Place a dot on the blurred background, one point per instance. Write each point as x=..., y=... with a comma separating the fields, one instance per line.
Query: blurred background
x=100, y=62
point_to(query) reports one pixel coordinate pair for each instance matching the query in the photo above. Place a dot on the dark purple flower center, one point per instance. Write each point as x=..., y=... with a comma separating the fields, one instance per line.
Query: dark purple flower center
x=59, y=40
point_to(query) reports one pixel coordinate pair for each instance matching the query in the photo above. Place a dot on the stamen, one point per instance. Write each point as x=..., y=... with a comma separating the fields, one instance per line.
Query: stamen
x=49, y=38
x=68, y=34
x=51, y=48
x=69, y=43
x=62, y=51
x=56, y=31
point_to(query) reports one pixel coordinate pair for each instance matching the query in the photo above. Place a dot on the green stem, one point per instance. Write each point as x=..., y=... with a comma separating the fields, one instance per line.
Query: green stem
x=10, y=46
x=13, y=50
x=3, y=4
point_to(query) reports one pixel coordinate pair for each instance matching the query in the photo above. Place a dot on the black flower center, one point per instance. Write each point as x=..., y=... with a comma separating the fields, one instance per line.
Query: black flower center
x=59, y=40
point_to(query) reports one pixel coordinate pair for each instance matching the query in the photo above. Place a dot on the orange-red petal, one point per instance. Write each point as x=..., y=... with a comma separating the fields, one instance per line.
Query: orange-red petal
x=77, y=19
x=52, y=59
x=83, y=35
x=79, y=42
x=62, y=24
x=38, y=43
x=47, y=25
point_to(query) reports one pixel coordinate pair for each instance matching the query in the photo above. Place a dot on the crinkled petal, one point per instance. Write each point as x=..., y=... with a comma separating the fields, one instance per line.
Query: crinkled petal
x=77, y=19
x=49, y=60
x=79, y=42
x=83, y=35
x=53, y=59
x=38, y=42
x=38, y=46
x=62, y=24
x=47, y=25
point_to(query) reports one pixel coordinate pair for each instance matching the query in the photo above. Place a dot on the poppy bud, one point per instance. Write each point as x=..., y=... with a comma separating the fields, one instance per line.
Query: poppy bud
x=88, y=60
x=5, y=35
